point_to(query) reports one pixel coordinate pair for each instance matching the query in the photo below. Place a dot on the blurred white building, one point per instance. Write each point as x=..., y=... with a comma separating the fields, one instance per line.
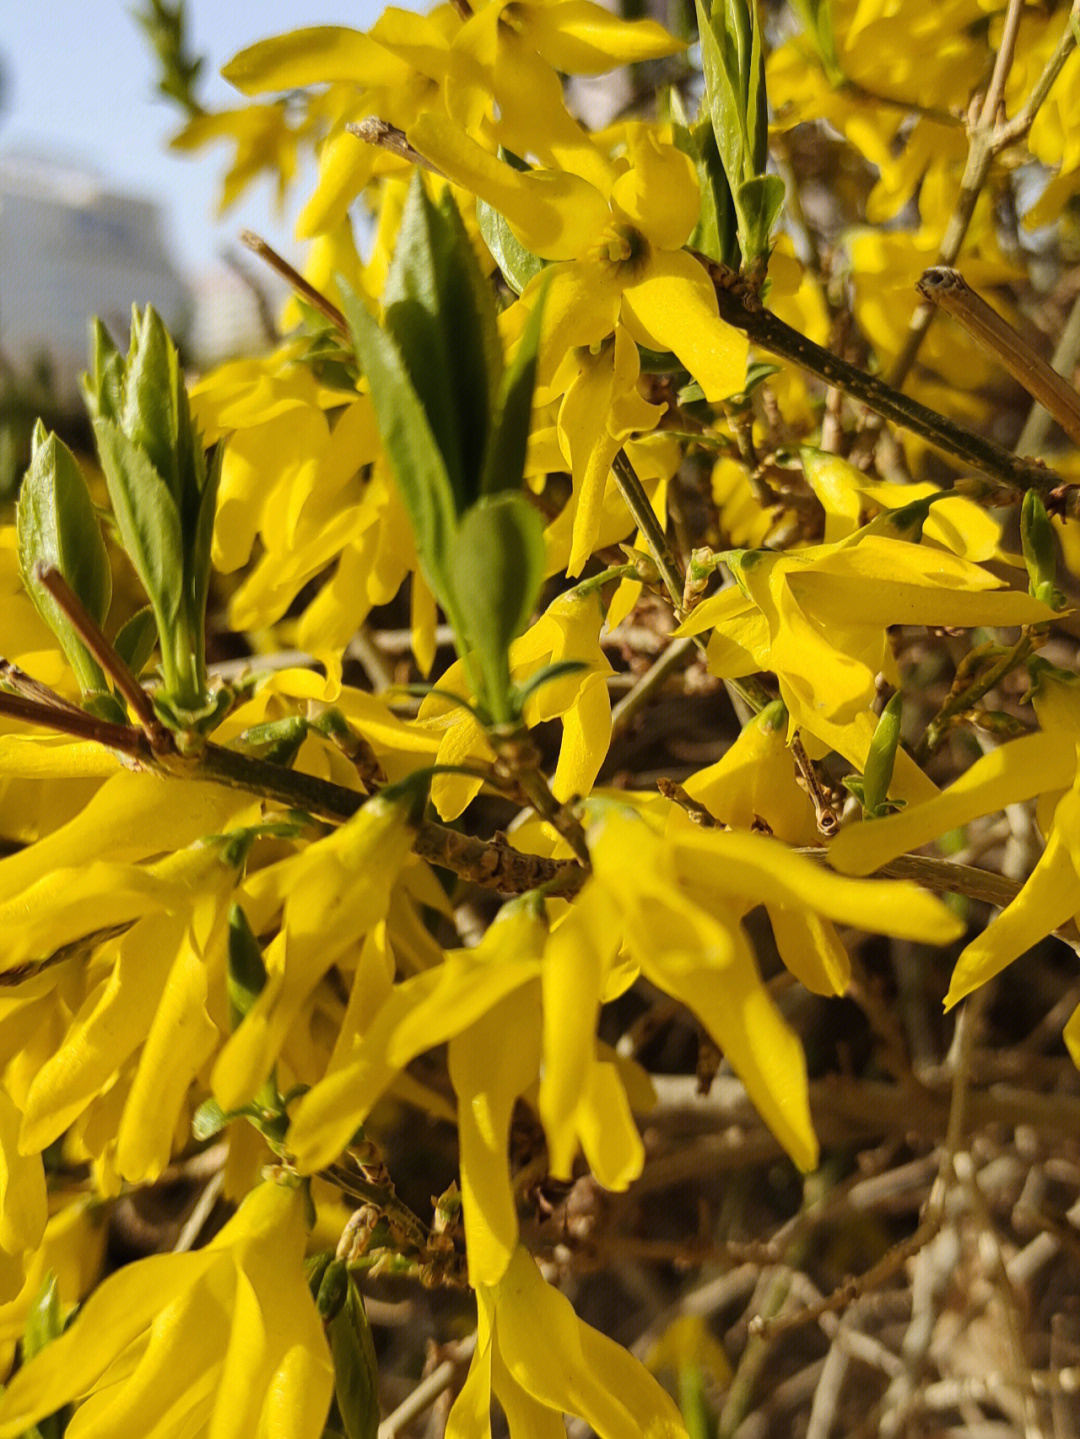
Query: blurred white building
x=71, y=248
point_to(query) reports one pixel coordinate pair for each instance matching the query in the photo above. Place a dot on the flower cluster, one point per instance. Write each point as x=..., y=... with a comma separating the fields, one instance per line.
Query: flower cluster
x=257, y=911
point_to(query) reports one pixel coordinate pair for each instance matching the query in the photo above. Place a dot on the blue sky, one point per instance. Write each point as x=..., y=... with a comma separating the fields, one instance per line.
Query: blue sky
x=80, y=85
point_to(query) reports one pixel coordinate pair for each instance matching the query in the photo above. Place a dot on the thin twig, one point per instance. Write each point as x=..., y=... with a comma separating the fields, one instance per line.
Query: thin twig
x=295, y=280
x=948, y=290
x=1011, y=473
x=427, y=1391
x=90, y=632
x=976, y=169
x=1034, y=435
x=375, y=131
x=637, y=502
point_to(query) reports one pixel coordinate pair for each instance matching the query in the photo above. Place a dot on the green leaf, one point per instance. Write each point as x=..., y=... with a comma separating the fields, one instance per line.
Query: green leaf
x=759, y=202
x=44, y=1321
x=724, y=97
x=408, y=438
x=209, y=1119
x=276, y=741
x=496, y=570
x=517, y=265
x=881, y=758
x=103, y=386
x=714, y=234
x=148, y=521
x=152, y=381
x=440, y=312
x=197, y=549
x=56, y=526
x=333, y=1290
x=356, y=1370
x=1040, y=550
x=136, y=641
x=757, y=107
x=816, y=16
x=470, y=315
x=43, y=1324
x=504, y=462
x=246, y=970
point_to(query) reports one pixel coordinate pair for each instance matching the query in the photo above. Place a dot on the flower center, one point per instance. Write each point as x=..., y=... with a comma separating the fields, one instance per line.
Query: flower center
x=621, y=245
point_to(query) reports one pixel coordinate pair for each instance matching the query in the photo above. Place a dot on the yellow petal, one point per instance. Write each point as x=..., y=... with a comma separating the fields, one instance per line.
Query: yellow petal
x=580, y=38
x=811, y=949
x=572, y=1368
x=23, y=1200
x=492, y=1063
x=762, y=870
x=553, y=213
x=659, y=194
x=576, y=959
x=1050, y=896
x=1009, y=774
x=315, y=56
x=672, y=306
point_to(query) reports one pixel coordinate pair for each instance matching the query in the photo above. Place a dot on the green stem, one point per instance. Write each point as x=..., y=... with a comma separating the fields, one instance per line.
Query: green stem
x=637, y=502
x=968, y=695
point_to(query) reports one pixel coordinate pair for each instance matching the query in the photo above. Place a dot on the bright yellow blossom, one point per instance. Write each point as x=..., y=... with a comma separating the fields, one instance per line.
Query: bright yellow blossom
x=334, y=892
x=618, y=238
x=568, y=630
x=675, y=901
x=539, y=1361
x=1045, y=764
x=818, y=618
x=223, y=1342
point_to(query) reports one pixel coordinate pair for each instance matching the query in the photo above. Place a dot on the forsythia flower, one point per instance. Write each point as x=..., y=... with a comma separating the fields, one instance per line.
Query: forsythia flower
x=223, y=1343
x=333, y=892
x=537, y=1358
x=487, y=1003
x=675, y=901
x=1045, y=764
x=618, y=239
x=818, y=618
x=568, y=630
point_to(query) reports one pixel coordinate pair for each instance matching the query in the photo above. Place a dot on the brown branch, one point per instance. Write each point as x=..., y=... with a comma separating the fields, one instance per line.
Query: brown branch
x=1008, y=472
x=295, y=280
x=948, y=290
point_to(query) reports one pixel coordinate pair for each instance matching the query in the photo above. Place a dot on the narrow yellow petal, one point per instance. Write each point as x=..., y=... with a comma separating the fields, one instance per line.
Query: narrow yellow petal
x=672, y=306
x=1013, y=772
x=553, y=213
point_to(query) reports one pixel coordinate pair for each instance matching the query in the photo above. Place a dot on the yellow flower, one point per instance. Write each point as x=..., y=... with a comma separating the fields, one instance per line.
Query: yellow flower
x=1045, y=764
x=262, y=139
x=674, y=900
x=23, y=1203
x=818, y=618
x=334, y=892
x=600, y=410
x=618, y=235
x=568, y=630
x=486, y=1003
x=73, y=1249
x=890, y=60
x=143, y=1030
x=540, y=1361
x=848, y=495
x=223, y=1342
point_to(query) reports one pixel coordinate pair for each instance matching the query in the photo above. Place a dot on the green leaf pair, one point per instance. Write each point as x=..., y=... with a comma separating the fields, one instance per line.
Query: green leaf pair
x=163, y=496
x=454, y=421
x=733, y=63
